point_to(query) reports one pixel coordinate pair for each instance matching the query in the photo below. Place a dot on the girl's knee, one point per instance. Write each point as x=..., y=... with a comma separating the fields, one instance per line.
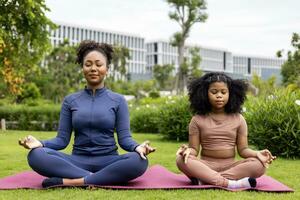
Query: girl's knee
x=258, y=168
x=181, y=165
x=179, y=161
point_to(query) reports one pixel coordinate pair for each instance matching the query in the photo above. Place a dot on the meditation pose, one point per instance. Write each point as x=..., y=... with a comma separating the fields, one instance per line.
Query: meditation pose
x=93, y=114
x=219, y=128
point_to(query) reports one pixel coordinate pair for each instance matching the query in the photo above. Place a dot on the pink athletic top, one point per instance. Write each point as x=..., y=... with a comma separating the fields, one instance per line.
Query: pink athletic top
x=218, y=134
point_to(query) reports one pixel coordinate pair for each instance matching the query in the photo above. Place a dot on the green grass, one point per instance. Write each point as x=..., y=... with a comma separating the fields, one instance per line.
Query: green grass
x=13, y=159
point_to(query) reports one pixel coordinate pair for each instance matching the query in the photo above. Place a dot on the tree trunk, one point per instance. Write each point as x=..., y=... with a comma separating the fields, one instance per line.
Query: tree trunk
x=180, y=82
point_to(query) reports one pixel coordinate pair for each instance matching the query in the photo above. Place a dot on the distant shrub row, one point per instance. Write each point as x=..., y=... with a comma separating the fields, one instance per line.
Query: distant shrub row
x=22, y=117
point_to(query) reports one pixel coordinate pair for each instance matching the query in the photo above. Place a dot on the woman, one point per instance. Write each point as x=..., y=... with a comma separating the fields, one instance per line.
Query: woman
x=94, y=114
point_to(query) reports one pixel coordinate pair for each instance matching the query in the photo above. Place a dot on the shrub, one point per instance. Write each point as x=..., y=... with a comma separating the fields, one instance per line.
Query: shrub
x=154, y=94
x=144, y=119
x=30, y=91
x=274, y=123
x=23, y=117
x=174, y=119
x=153, y=101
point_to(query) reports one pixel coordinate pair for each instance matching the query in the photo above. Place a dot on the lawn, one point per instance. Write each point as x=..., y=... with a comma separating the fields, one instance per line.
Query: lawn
x=13, y=159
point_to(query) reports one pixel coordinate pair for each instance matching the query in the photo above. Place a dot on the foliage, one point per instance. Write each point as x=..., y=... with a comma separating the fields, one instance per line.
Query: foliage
x=139, y=89
x=186, y=13
x=274, y=123
x=153, y=101
x=162, y=73
x=195, y=71
x=144, y=119
x=168, y=116
x=264, y=87
x=24, y=117
x=119, y=60
x=175, y=116
x=154, y=94
x=290, y=70
x=61, y=72
x=30, y=92
x=23, y=40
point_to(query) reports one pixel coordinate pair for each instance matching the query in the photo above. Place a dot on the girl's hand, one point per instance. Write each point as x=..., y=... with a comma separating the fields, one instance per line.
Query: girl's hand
x=30, y=142
x=266, y=157
x=144, y=149
x=184, y=151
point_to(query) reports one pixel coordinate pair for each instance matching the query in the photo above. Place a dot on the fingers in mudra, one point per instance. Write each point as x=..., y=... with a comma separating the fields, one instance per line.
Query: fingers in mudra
x=147, y=147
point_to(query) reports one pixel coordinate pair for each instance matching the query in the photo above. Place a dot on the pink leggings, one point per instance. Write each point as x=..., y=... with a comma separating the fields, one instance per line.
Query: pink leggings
x=218, y=171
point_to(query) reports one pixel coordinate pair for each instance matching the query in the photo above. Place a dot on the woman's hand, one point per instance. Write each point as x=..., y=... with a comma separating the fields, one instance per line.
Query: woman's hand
x=184, y=151
x=30, y=142
x=266, y=157
x=144, y=149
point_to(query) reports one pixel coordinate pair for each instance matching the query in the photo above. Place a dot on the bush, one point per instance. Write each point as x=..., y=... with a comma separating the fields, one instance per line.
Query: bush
x=174, y=119
x=153, y=101
x=154, y=94
x=274, y=123
x=144, y=119
x=30, y=91
x=23, y=117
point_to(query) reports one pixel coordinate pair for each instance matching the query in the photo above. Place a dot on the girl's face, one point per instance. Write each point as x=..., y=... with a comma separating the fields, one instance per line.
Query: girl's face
x=218, y=95
x=94, y=69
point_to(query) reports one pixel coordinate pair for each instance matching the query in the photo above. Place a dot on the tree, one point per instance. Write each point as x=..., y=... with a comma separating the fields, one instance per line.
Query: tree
x=195, y=71
x=23, y=40
x=61, y=71
x=186, y=13
x=290, y=70
x=119, y=60
x=266, y=87
x=162, y=73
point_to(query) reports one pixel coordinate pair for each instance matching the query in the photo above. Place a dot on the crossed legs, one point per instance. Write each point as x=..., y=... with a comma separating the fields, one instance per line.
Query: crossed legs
x=80, y=170
x=220, y=171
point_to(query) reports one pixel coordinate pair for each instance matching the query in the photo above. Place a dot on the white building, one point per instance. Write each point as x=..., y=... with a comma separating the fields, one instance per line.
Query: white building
x=264, y=67
x=162, y=52
x=215, y=59
x=145, y=55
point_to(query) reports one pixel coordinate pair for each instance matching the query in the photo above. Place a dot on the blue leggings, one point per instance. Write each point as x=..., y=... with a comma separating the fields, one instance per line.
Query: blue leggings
x=97, y=170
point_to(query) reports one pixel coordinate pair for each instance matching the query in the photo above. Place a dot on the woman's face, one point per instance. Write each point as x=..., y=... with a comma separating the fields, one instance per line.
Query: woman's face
x=95, y=69
x=218, y=95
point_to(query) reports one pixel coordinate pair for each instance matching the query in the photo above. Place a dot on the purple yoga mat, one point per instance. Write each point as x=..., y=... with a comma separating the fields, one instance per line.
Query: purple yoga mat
x=156, y=177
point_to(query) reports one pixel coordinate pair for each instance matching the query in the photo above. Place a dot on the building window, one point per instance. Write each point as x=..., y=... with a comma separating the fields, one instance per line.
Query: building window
x=155, y=47
x=224, y=61
x=249, y=65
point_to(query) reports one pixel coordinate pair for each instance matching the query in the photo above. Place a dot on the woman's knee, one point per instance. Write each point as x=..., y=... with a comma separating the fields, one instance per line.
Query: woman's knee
x=34, y=155
x=138, y=164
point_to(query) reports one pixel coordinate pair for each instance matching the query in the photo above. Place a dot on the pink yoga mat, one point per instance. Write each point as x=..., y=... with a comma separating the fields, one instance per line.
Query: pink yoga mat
x=156, y=177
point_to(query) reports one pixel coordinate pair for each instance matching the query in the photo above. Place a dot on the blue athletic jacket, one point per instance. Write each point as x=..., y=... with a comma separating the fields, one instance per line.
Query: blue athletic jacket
x=93, y=119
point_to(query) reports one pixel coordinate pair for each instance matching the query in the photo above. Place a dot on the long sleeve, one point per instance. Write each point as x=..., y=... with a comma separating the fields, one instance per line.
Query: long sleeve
x=62, y=139
x=123, y=128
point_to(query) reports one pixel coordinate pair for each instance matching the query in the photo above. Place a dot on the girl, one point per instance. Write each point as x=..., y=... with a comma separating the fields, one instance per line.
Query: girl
x=94, y=114
x=218, y=127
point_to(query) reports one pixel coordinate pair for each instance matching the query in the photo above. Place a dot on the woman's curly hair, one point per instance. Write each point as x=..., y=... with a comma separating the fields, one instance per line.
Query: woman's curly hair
x=198, y=93
x=86, y=46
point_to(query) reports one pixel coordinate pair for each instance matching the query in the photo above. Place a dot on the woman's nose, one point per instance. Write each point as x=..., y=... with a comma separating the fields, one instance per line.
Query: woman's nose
x=93, y=67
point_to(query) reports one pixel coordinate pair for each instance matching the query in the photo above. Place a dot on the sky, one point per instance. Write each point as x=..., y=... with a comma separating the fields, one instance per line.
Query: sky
x=243, y=27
